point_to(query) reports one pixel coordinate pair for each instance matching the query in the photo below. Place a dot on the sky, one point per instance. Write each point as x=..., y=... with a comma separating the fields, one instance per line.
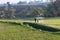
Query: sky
x=15, y=1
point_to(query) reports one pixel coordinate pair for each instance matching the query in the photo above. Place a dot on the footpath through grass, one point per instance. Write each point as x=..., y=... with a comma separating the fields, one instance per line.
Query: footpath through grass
x=11, y=31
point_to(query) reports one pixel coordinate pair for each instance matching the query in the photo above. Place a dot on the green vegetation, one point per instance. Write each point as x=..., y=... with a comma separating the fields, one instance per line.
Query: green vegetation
x=11, y=30
x=27, y=11
x=54, y=22
x=18, y=29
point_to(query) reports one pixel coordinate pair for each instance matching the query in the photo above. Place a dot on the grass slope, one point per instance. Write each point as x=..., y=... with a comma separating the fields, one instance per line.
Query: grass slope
x=14, y=31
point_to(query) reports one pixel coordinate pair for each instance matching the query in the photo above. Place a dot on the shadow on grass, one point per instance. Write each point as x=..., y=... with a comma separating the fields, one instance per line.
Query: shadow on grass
x=34, y=25
x=42, y=27
x=15, y=23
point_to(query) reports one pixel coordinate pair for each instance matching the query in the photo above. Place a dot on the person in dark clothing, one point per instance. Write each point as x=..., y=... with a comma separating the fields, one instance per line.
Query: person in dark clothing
x=35, y=20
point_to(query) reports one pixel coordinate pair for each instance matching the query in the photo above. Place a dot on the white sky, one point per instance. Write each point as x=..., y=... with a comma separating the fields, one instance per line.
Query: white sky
x=15, y=1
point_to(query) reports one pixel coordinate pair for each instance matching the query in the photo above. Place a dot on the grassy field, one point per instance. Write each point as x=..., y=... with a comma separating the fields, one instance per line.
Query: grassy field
x=54, y=22
x=25, y=32
x=15, y=30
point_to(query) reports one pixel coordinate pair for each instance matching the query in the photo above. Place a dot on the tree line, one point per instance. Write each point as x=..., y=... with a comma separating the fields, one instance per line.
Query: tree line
x=50, y=10
x=7, y=11
x=53, y=9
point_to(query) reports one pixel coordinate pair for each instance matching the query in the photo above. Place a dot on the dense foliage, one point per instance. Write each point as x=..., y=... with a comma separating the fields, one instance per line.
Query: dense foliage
x=53, y=9
x=18, y=11
x=50, y=10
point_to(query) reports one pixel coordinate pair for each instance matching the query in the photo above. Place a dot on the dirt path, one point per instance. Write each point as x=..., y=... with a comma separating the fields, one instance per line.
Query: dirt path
x=40, y=21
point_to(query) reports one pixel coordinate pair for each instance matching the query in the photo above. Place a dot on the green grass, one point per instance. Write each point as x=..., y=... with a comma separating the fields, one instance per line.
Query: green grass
x=17, y=30
x=9, y=31
x=55, y=22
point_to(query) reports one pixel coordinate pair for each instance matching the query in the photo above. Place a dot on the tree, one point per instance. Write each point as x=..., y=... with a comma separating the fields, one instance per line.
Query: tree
x=39, y=12
x=2, y=14
x=53, y=9
x=12, y=12
x=8, y=3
